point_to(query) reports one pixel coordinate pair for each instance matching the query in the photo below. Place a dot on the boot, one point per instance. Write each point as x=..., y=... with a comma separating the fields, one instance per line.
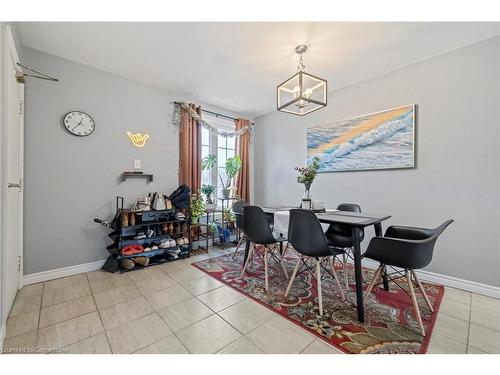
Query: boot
x=124, y=219
x=142, y=261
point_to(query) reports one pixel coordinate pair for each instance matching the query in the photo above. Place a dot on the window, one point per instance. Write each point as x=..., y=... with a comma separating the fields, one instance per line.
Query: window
x=223, y=148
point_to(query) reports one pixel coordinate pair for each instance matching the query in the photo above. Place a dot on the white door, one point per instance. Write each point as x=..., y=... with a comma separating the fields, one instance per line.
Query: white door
x=14, y=173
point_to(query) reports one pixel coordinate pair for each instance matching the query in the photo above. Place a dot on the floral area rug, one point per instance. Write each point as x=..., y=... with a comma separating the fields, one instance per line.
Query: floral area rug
x=390, y=326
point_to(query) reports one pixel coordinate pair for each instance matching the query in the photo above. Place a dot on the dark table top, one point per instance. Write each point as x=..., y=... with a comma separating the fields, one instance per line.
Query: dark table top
x=352, y=218
x=339, y=217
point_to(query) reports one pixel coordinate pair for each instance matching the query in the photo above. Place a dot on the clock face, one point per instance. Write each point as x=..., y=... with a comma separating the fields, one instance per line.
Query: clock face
x=79, y=123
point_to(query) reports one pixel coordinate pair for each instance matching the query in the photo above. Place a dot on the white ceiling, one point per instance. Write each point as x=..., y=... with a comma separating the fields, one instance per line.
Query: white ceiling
x=238, y=65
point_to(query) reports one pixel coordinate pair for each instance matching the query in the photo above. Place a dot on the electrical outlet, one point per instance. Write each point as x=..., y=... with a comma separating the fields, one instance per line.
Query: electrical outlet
x=137, y=164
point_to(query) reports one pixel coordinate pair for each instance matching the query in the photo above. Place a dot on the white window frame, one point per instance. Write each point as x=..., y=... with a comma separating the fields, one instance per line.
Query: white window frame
x=221, y=123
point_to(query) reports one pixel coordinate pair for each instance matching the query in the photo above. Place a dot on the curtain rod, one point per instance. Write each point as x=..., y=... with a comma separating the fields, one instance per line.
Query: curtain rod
x=214, y=113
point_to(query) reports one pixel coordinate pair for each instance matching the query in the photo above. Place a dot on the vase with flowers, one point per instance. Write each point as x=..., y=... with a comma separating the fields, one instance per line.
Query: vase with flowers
x=306, y=176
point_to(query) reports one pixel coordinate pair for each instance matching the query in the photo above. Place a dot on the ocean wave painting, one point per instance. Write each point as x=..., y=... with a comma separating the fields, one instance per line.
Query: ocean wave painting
x=382, y=140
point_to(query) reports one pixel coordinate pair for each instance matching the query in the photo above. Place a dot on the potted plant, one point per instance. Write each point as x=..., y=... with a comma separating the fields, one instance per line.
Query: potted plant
x=228, y=217
x=307, y=175
x=197, y=207
x=212, y=228
x=233, y=166
x=208, y=191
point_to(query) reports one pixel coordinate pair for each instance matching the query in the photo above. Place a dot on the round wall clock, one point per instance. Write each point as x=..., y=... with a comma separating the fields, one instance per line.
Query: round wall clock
x=79, y=123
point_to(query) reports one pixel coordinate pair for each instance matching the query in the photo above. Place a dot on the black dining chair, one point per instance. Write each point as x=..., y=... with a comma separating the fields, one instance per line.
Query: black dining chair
x=238, y=214
x=340, y=236
x=306, y=236
x=408, y=248
x=258, y=232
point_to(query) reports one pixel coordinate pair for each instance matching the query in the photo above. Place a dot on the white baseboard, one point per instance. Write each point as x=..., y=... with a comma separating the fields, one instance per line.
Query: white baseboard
x=453, y=282
x=62, y=272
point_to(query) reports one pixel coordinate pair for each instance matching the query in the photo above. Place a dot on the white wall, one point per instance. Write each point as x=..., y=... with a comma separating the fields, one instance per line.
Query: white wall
x=70, y=180
x=458, y=163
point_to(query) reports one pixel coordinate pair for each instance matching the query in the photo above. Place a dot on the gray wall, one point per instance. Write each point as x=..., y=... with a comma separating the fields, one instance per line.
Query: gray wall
x=70, y=180
x=458, y=165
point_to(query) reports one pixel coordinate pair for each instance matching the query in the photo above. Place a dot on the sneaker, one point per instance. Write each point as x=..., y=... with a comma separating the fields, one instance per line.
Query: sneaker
x=172, y=243
x=147, y=249
x=180, y=241
x=150, y=233
x=180, y=216
x=164, y=244
x=140, y=235
x=154, y=247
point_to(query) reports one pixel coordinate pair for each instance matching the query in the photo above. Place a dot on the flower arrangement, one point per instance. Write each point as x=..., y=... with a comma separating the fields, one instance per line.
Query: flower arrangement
x=308, y=174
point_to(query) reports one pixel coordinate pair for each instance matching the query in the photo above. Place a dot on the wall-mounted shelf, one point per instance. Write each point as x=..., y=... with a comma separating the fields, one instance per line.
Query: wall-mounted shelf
x=147, y=176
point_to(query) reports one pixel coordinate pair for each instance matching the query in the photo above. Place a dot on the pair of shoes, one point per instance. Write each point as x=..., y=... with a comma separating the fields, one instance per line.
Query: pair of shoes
x=183, y=241
x=180, y=216
x=142, y=261
x=132, y=249
x=151, y=248
x=173, y=250
x=127, y=264
x=166, y=243
x=140, y=235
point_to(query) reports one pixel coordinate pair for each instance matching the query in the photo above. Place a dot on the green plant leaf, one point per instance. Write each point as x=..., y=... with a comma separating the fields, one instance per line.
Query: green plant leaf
x=208, y=162
x=233, y=166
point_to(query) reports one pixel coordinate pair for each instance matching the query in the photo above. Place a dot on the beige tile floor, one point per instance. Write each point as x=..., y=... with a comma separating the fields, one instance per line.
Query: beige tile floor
x=175, y=308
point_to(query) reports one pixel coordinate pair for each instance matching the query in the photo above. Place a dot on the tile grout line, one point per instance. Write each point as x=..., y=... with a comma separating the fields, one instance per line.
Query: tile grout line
x=39, y=316
x=468, y=328
x=155, y=312
x=65, y=320
x=99, y=315
x=71, y=299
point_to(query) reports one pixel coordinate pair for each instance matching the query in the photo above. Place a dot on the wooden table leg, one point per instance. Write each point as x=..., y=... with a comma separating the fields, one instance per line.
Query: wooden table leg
x=358, y=275
x=378, y=233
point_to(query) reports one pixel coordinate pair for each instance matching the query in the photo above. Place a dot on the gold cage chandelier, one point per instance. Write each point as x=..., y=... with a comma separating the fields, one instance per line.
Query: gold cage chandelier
x=302, y=93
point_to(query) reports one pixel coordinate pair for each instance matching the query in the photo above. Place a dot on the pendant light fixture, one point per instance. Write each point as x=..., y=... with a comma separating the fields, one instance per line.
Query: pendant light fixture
x=302, y=93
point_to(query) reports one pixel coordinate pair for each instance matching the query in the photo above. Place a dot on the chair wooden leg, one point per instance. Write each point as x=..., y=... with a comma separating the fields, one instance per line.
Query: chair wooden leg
x=344, y=270
x=238, y=246
x=283, y=266
x=375, y=278
x=335, y=276
x=294, y=273
x=265, y=268
x=250, y=256
x=318, y=279
x=422, y=290
x=285, y=249
x=415, y=304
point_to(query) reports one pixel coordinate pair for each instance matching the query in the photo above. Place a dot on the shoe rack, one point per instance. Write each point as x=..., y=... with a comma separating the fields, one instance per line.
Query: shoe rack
x=148, y=229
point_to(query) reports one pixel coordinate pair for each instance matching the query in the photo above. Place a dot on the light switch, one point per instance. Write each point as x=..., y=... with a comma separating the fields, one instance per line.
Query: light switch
x=137, y=164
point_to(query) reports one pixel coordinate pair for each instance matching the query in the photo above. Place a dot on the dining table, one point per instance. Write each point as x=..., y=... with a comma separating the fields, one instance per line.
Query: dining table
x=356, y=220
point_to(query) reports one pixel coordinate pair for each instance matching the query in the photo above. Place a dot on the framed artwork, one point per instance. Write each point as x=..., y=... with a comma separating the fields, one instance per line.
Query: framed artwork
x=381, y=140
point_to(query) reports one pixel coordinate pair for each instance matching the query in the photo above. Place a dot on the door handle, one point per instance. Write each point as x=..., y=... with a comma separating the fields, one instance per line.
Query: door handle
x=11, y=185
